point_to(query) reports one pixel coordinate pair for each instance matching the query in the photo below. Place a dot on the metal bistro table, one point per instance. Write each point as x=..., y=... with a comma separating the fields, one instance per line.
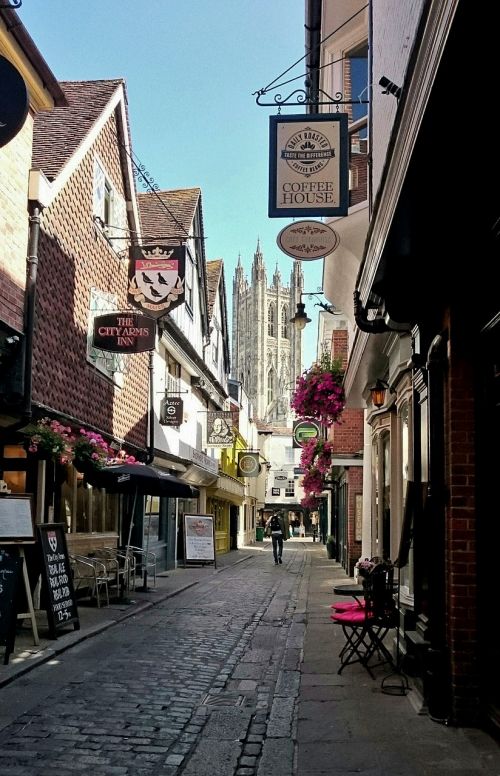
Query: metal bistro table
x=354, y=590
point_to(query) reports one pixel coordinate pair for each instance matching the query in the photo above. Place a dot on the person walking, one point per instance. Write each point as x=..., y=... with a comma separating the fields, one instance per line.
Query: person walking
x=277, y=528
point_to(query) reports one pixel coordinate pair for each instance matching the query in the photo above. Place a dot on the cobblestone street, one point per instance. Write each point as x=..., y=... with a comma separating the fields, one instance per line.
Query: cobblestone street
x=187, y=686
x=221, y=672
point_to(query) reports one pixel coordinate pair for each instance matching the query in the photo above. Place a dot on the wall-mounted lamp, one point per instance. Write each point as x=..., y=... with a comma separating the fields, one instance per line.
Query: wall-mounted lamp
x=300, y=318
x=390, y=87
x=378, y=393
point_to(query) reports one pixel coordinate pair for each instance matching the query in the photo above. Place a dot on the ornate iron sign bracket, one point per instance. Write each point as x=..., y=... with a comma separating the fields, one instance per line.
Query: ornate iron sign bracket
x=305, y=97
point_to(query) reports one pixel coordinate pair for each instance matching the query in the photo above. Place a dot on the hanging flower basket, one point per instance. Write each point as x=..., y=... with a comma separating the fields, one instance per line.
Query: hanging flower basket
x=317, y=454
x=90, y=451
x=50, y=440
x=313, y=481
x=310, y=502
x=319, y=394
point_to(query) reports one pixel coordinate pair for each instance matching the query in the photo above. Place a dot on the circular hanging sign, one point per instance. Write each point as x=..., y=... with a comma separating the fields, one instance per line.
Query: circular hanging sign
x=304, y=431
x=13, y=101
x=307, y=240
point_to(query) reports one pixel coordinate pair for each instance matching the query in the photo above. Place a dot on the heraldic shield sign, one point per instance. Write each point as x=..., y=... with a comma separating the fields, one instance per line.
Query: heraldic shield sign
x=156, y=278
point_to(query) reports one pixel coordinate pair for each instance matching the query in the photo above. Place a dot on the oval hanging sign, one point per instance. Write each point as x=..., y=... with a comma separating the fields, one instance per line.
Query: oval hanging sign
x=307, y=240
x=13, y=101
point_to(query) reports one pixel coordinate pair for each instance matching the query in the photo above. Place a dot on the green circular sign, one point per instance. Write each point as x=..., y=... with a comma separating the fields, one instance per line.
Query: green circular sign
x=304, y=431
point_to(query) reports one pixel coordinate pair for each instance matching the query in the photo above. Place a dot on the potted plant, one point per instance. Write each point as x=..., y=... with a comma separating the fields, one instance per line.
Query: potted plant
x=330, y=546
x=50, y=440
x=319, y=393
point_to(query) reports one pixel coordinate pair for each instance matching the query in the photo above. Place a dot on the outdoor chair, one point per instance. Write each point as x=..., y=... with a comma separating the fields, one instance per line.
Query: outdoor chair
x=117, y=567
x=90, y=573
x=145, y=559
x=365, y=627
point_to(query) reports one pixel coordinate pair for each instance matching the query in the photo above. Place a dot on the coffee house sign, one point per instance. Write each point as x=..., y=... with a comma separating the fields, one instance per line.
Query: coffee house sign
x=308, y=169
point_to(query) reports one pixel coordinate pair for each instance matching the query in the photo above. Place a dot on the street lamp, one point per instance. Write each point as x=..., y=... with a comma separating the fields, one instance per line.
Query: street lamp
x=300, y=318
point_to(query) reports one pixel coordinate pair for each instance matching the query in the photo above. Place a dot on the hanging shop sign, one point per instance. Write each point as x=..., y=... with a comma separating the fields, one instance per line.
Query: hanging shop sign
x=219, y=429
x=13, y=101
x=303, y=431
x=281, y=477
x=156, y=278
x=124, y=332
x=248, y=464
x=308, y=166
x=171, y=411
x=307, y=240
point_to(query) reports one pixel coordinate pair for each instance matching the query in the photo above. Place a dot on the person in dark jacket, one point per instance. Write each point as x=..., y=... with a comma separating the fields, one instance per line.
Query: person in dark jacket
x=277, y=528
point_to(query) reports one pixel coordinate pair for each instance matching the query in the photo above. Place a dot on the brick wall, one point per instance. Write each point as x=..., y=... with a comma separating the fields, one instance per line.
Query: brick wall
x=73, y=258
x=15, y=160
x=461, y=539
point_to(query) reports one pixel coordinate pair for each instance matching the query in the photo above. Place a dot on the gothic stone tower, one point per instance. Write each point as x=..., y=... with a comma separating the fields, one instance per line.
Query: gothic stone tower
x=266, y=348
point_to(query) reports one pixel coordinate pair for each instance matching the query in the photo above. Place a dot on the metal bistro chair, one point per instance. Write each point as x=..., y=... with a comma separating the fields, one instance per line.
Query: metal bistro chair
x=117, y=566
x=92, y=574
x=145, y=559
x=365, y=627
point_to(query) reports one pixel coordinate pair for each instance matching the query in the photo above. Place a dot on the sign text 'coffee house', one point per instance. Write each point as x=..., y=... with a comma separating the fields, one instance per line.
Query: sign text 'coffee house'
x=308, y=165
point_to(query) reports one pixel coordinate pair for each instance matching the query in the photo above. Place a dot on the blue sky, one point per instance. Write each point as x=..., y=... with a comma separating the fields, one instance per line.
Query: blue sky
x=191, y=68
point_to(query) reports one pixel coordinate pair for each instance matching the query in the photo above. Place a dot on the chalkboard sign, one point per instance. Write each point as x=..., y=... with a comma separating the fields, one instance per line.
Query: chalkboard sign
x=10, y=574
x=60, y=594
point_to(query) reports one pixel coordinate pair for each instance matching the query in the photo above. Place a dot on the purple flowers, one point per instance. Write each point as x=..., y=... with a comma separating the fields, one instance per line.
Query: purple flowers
x=319, y=393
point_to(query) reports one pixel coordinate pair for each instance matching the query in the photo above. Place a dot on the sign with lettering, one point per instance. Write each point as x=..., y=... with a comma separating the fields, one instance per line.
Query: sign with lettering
x=10, y=574
x=219, y=429
x=281, y=477
x=156, y=278
x=307, y=240
x=171, y=411
x=308, y=168
x=248, y=464
x=124, y=332
x=199, y=537
x=60, y=594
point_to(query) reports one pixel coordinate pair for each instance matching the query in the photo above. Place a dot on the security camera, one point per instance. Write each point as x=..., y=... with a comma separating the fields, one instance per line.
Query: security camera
x=390, y=87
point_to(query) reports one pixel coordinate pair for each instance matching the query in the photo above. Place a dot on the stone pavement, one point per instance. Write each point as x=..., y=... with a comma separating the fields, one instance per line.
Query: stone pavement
x=341, y=724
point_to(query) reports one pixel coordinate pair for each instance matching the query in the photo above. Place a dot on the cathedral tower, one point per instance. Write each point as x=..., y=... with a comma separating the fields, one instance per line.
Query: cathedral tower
x=266, y=347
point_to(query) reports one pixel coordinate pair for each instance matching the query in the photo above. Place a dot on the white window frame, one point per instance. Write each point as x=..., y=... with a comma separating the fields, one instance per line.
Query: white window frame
x=112, y=366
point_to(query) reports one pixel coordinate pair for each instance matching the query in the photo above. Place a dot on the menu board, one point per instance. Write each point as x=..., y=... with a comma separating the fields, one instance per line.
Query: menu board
x=16, y=519
x=10, y=574
x=199, y=538
x=60, y=594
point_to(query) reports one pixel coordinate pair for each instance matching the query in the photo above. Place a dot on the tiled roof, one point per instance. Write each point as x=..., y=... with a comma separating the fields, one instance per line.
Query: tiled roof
x=168, y=214
x=214, y=269
x=58, y=133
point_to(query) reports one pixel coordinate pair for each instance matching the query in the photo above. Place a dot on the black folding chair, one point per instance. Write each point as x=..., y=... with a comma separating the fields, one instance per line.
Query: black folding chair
x=366, y=628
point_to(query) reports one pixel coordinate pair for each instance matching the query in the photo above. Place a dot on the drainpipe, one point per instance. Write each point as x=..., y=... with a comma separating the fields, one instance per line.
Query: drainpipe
x=436, y=659
x=34, y=221
x=151, y=448
x=34, y=233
